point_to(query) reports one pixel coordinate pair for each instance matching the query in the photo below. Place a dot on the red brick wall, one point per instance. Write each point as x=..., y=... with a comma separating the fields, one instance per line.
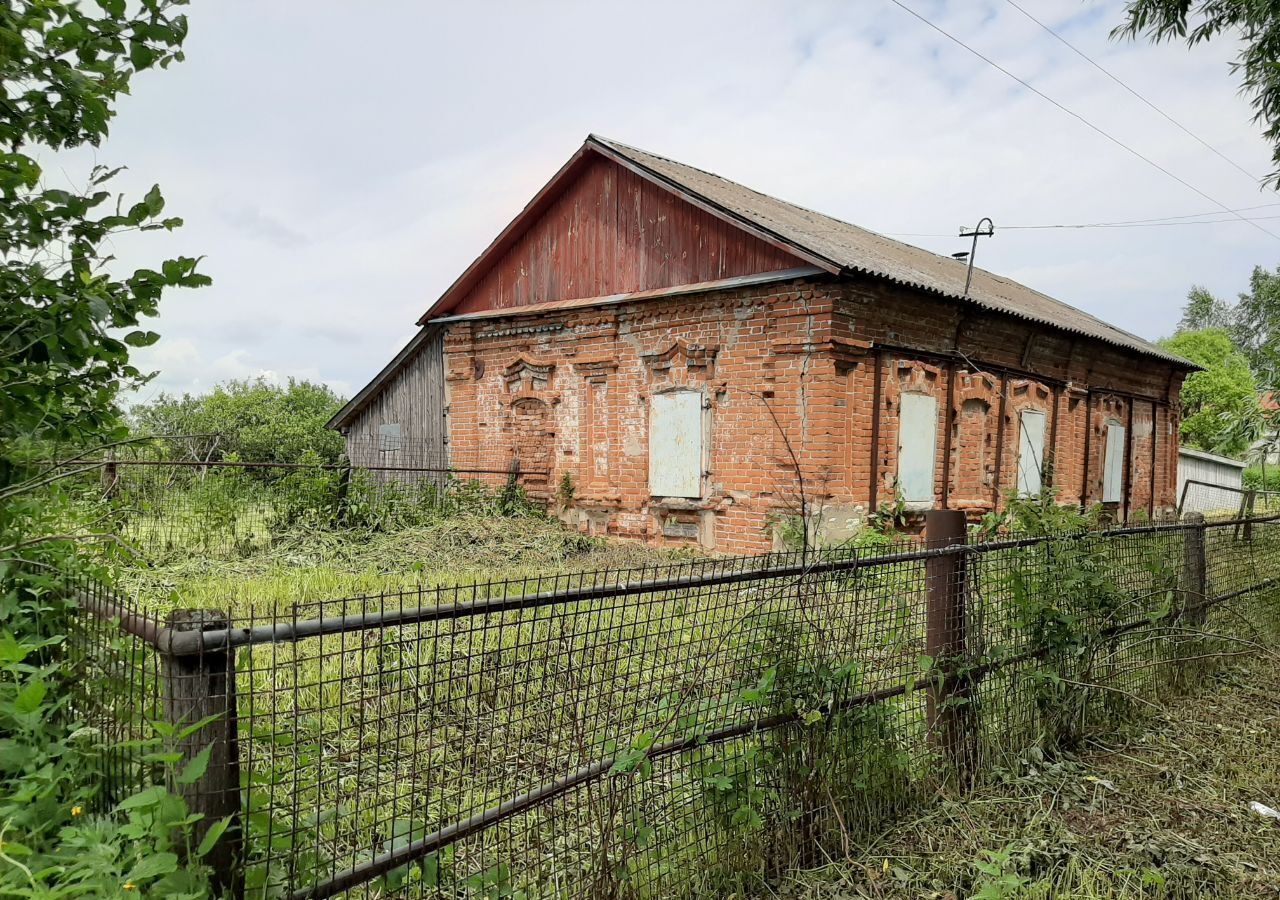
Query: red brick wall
x=790, y=371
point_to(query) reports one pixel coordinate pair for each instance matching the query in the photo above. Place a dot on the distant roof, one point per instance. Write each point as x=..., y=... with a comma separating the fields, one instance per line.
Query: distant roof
x=1212, y=457
x=852, y=249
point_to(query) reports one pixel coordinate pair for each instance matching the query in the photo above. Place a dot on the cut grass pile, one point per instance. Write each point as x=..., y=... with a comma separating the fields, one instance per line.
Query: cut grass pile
x=1160, y=811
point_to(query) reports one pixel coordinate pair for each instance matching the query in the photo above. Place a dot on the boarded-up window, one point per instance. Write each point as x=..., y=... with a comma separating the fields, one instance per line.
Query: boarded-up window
x=597, y=430
x=917, y=448
x=531, y=419
x=972, y=448
x=389, y=437
x=675, y=444
x=1030, y=452
x=1113, y=464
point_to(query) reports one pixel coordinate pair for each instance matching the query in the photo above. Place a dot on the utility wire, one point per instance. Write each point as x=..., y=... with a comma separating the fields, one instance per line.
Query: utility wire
x=1088, y=225
x=1212, y=212
x=1138, y=224
x=1124, y=223
x=1105, y=71
x=1075, y=115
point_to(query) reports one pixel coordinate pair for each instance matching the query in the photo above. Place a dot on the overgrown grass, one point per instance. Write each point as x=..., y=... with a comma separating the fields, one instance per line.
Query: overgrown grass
x=1158, y=810
x=305, y=565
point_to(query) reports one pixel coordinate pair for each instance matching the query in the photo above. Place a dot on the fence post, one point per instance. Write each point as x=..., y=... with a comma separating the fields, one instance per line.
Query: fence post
x=344, y=488
x=1193, y=569
x=950, y=707
x=1249, y=499
x=110, y=478
x=196, y=687
x=508, y=498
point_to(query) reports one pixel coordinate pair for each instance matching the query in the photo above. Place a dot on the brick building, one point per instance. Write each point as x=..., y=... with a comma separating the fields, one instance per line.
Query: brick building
x=675, y=357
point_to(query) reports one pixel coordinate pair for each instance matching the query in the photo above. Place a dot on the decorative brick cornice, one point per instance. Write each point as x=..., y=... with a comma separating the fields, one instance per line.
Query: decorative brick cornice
x=595, y=367
x=695, y=356
x=528, y=373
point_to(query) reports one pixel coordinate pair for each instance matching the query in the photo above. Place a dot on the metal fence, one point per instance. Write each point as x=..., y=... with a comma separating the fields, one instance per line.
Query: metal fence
x=687, y=730
x=1217, y=501
x=177, y=497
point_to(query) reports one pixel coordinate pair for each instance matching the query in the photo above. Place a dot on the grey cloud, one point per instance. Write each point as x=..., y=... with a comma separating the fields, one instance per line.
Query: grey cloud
x=257, y=224
x=375, y=183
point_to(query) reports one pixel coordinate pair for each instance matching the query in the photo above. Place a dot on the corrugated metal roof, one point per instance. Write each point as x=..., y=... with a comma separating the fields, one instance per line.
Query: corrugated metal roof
x=855, y=249
x=1212, y=457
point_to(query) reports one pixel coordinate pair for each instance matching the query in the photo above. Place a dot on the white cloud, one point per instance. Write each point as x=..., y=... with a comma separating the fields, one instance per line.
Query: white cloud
x=339, y=170
x=182, y=367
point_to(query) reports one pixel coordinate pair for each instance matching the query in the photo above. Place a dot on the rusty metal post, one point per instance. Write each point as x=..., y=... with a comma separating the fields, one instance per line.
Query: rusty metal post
x=950, y=706
x=508, y=497
x=202, y=686
x=1193, y=570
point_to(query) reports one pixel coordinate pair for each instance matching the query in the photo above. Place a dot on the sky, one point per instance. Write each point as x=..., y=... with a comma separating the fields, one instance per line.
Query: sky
x=338, y=164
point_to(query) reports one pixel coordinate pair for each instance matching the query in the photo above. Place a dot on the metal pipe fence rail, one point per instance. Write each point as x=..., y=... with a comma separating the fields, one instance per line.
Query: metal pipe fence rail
x=675, y=731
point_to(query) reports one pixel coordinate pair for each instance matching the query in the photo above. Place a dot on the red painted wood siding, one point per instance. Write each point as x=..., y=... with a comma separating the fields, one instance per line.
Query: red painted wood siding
x=612, y=232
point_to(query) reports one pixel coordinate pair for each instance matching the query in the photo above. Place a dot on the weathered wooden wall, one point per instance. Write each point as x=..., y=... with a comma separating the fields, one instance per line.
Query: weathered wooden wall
x=612, y=232
x=413, y=398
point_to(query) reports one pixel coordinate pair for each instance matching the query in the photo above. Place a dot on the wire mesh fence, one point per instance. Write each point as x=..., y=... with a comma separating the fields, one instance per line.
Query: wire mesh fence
x=171, y=498
x=1218, y=501
x=682, y=730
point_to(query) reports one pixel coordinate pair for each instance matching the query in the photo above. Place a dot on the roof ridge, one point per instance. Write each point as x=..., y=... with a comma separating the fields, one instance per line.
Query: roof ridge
x=747, y=187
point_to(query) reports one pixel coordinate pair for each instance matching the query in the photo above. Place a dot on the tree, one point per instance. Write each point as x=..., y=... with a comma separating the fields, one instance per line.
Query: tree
x=1253, y=322
x=256, y=420
x=1203, y=310
x=1215, y=401
x=1256, y=326
x=1254, y=23
x=67, y=324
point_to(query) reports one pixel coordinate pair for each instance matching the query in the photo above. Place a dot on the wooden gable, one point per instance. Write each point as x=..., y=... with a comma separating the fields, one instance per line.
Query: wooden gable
x=607, y=230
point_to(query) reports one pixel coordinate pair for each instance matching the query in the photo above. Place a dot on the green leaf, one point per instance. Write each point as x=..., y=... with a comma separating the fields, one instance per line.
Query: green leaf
x=211, y=837
x=141, y=338
x=141, y=55
x=187, y=730
x=194, y=770
x=154, y=200
x=30, y=697
x=153, y=866
x=146, y=798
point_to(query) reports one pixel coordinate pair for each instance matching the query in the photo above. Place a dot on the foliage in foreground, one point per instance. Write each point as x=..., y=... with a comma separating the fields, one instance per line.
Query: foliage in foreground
x=66, y=329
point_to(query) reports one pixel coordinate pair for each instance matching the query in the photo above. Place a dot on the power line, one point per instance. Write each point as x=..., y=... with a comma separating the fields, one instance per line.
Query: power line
x=1212, y=212
x=1124, y=223
x=1080, y=225
x=1138, y=224
x=1075, y=115
x=1105, y=71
